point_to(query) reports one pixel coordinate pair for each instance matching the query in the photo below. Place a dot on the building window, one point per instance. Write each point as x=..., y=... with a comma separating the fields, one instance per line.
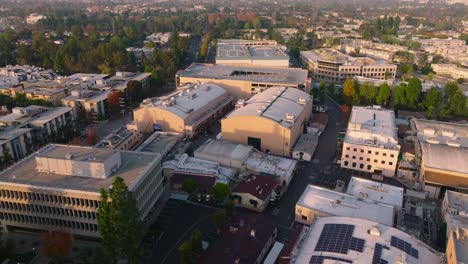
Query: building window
x=361, y=166
x=383, y=161
x=369, y=167
x=347, y=156
x=384, y=154
x=376, y=161
x=377, y=153
x=391, y=155
x=304, y=217
x=362, y=151
x=346, y=163
x=347, y=148
x=369, y=151
x=354, y=164
x=355, y=149
x=390, y=163
x=368, y=159
x=354, y=157
x=361, y=158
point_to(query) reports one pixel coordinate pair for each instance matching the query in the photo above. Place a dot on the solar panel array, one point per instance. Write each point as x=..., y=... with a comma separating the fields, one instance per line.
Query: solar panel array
x=339, y=238
x=377, y=259
x=404, y=246
x=319, y=259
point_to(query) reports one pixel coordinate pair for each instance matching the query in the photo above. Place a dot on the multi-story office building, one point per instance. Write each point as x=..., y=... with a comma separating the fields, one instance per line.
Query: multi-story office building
x=371, y=142
x=333, y=66
x=435, y=42
x=243, y=81
x=261, y=53
x=188, y=110
x=59, y=186
x=280, y=115
x=92, y=102
x=441, y=152
x=15, y=144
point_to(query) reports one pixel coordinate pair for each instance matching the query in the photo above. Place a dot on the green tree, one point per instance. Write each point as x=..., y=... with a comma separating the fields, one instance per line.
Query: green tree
x=368, y=91
x=399, y=97
x=449, y=89
x=119, y=224
x=197, y=240
x=219, y=219
x=349, y=91
x=186, y=252
x=189, y=185
x=229, y=207
x=457, y=103
x=413, y=92
x=257, y=23
x=432, y=100
x=383, y=94
x=220, y=191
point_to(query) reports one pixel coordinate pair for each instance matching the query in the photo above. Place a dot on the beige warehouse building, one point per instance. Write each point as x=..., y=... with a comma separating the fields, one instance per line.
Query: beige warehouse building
x=187, y=111
x=58, y=187
x=243, y=81
x=271, y=121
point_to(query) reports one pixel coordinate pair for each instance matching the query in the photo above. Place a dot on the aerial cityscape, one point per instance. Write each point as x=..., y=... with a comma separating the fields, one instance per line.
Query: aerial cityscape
x=233, y=132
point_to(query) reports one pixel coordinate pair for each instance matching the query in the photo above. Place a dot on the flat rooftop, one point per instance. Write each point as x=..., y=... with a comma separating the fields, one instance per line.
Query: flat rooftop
x=372, y=126
x=159, y=142
x=234, y=49
x=25, y=172
x=342, y=204
x=264, y=74
x=227, y=153
x=337, y=57
x=353, y=240
x=444, y=145
x=279, y=104
x=187, y=99
x=376, y=191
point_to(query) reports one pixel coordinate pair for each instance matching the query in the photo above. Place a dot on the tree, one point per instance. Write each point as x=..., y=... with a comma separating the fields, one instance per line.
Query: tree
x=220, y=191
x=56, y=244
x=349, y=91
x=257, y=23
x=219, y=218
x=432, y=100
x=368, y=91
x=229, y=207
x=383, y=94
x=457, y=103
x=449, y=89
x=413, y=92
x=119, y=224
x=399, y=97
x=196, y=239
x=189, y=185
x=113, y=99
x=91, y=136
x=134, y=91
x=186, y=252
x=321, y=92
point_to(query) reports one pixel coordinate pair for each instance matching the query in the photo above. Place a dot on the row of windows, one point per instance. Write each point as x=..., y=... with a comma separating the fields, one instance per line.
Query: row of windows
x=42, y=197
x=361, y=166
x=368, y=159
x=47, y=210
x=28, y=219
x=370, y=152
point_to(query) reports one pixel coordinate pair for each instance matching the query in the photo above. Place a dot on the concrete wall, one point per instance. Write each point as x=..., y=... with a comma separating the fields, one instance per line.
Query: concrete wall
x=362, y=156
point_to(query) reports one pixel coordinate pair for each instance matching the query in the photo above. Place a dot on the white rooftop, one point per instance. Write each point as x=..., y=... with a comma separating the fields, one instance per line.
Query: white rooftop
x=376, y=191
x=342, y=204
x=226, y=153
x=334, y=56
x=186, y=100
x=271, y=165
x=459, y=202
x=263, y=74
x=444, y=145
x=236, y=49
x=372, y=126
x=374, y=238
x=280, y=104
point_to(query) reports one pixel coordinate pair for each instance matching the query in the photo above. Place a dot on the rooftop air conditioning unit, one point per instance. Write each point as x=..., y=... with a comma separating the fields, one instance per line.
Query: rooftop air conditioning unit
x=301, y=101
x=290, y=117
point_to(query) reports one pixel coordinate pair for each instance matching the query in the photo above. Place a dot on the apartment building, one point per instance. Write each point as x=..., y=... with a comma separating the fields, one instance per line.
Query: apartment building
x=280, y=115
x=371, y=143
x=124, y=138
x=441, y=151
x=454, y=212
x=261, y=53
x=435, y=42
x=450, y=69
x=15, y=144
x=58, y=187
x=243, y=81
x=90, y=101
x=188, y=110
x=333, y=66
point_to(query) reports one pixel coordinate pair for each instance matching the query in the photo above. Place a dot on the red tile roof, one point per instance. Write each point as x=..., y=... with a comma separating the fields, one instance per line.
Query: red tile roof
x=256, y=185
x=236, y=244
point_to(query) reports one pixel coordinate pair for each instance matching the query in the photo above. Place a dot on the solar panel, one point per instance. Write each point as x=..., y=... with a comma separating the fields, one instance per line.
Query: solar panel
x=339, y=238
x=319, y=259
x=404, y=246
x=377, y=258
